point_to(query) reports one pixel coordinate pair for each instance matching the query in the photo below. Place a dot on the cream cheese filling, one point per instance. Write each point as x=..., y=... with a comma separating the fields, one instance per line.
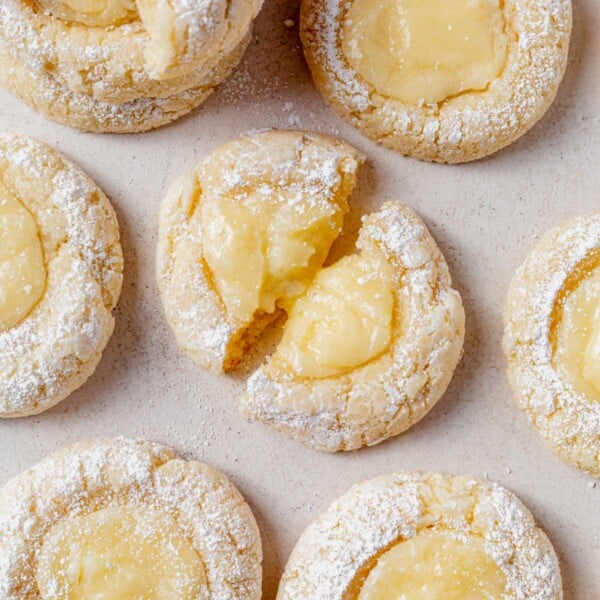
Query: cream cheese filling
x=425, y=51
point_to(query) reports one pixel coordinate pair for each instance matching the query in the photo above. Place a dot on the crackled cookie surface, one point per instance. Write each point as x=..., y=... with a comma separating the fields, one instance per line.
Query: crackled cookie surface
x=552, y=340
x=370, y=347
x=416, y=536
x=60, y=276
x=120, y=65
x=126, y=519
x=242, y=236
x=126, y=50
x=440, y=80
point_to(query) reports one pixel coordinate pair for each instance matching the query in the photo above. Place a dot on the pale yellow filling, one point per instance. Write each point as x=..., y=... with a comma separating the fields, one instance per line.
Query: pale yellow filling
x=343, y=320
x=264, y=247
x=119, y=553
x=577, y=351
x=435, y=566
x=22, y=268
x=95, y=13
x=425, y=51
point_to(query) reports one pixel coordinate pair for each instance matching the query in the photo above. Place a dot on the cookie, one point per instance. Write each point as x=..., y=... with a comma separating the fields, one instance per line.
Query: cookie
x=450, y=81
x=398, y=535
x=552, y=340
x=145, y=49
x=371, y=342
x=44, y=94
x=370, y=347
x=120, y=519
x=244, y=233
x=60, y=276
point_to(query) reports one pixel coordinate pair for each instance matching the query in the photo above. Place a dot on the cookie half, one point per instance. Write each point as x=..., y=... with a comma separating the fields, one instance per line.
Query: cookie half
x=449, y=81
x=552, y=340
x=60, y=276
x=370, y=347
x=243, y=235
x=398, y=535
x=120, y=518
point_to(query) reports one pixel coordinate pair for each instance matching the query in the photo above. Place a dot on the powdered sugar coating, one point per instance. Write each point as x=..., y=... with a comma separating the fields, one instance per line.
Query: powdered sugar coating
x=568, y=420
x=307, y=165
x=336, y=552
x=58, y=345
x=462, y=128
x=119, y=64
x=389, y=394
x=49, y=97
x=93, y=475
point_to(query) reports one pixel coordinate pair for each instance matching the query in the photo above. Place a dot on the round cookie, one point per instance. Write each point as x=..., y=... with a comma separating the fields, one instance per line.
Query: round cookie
x=60, y=276
x=146, y=49
x=448, y=81
x=370, y=347
x=400, y=534
x=174, y=528
x=273, y=202
x=552, y=340
x=44, y=94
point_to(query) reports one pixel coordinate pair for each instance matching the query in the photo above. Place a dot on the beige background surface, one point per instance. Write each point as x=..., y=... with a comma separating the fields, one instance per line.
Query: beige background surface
x=485, y=217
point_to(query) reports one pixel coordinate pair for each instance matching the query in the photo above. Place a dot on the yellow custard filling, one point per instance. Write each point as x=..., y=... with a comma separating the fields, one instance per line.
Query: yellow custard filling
x=119, y=553
x=343, y=320
x=22, y=268
x=95, y=13
x=577, y=336
x=435, y=566
x=425, y=51
x=264, y=247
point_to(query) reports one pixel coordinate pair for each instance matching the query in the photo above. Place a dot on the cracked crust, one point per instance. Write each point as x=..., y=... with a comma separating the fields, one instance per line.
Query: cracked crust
x=463, y=128
x=318, y=164
x=389, y=394
x=96, y=474
x=57, y=346
x=46, y=95
x=168, y=51
x=335, y=553
x=568, y=420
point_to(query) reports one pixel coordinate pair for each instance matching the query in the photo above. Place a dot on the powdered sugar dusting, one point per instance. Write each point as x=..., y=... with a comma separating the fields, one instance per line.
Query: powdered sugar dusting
x=390, y=393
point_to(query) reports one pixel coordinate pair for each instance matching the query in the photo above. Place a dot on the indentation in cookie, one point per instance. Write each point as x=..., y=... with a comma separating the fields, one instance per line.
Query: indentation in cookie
x=425, y=51
x=120, y=552
x=438, y=566
x=343, y=320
